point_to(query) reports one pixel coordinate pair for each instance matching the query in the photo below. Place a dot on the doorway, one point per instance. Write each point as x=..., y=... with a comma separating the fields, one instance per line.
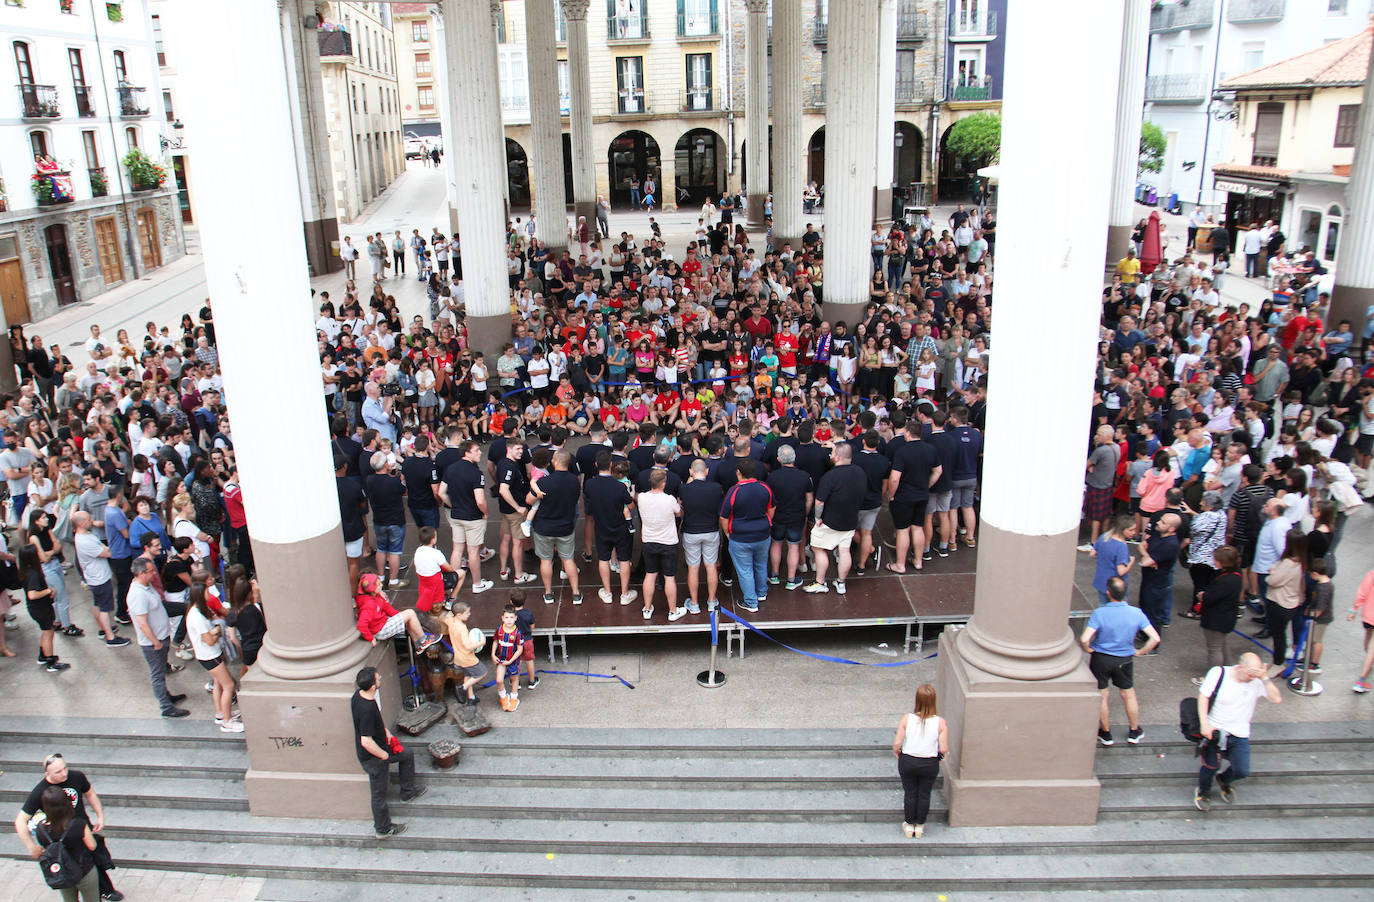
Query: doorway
x=697, y=165
x=149, y=247
x=60, y=261
x=107, y=248
x=815, y=154
x=632, y=153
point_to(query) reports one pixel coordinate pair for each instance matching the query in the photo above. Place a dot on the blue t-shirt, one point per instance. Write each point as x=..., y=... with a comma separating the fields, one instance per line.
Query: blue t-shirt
x=1117, y=624
x=116, y=529
x=745, y=507
x=1111, y=553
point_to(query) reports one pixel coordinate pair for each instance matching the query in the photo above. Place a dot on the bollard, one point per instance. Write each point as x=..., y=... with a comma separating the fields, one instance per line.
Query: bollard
x=712, y=678
x=1305, y=685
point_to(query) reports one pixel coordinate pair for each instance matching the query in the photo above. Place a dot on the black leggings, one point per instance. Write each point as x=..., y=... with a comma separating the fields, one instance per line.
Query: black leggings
x=1279, y=619
x=918, y=779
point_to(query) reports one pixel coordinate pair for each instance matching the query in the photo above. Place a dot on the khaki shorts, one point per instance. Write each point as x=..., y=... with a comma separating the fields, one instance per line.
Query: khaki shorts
x=468, y=532
x=546, y=547
x=510, y=523
x=827, y=539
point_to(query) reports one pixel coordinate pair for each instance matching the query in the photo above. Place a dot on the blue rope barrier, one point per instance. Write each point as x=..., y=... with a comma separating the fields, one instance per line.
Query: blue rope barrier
x=829, y=658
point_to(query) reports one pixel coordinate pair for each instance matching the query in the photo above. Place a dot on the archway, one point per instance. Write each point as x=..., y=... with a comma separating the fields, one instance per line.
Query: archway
x=815, y=156
x=517, y=175
x=744, y=161
x=698, y=162
x=908, y=152
x=956, y=172
x=632, y=153
x=567, y=167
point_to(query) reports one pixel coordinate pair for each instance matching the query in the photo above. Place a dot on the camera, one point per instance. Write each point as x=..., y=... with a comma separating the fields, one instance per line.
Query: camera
x=391, y=390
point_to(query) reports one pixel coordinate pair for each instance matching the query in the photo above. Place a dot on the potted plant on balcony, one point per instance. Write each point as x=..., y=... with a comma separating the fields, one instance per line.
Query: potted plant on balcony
x=99, y=186
x=144, y=173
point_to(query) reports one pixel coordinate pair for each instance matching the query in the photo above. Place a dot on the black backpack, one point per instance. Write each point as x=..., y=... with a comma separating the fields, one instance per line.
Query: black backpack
x=60, y=868
x=1190, y=719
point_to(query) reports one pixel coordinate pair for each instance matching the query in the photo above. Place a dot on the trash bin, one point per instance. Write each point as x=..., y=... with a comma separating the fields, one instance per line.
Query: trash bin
x=1151, y=196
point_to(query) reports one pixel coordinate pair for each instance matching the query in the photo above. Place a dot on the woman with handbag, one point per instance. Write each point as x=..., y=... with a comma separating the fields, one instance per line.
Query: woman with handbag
x=78, y=845
x=50, y=556
x=922, y=740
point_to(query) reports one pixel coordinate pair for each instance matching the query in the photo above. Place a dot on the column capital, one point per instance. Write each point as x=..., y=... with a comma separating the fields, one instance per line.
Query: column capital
x=496, y=13
x=757, y=6
x=574, y=9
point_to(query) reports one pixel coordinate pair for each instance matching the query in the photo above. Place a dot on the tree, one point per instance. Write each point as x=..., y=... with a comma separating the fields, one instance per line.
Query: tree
x=1152, y=147
x=977, y=138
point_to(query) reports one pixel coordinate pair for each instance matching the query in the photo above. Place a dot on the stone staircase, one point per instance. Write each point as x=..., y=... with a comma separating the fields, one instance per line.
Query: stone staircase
x=788, y=814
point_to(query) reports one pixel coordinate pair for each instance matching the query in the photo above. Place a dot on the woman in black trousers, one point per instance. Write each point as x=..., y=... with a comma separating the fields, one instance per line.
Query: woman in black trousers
x=922, y=740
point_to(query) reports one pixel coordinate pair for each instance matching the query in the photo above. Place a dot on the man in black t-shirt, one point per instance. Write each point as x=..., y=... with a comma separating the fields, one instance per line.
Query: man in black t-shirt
x=915, y=468
x=607, y=504
x=352, y=516
x=876, y=466
x=377, y=750
x=838, y=499
x=464, y=490
x=386, y=493
x=553, y=524
x=77, y=788
x=792, y=491
x=421, y=478
x=512, y=496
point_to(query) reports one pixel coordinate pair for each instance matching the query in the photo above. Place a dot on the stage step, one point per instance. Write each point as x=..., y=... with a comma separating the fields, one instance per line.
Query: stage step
x=723, y=814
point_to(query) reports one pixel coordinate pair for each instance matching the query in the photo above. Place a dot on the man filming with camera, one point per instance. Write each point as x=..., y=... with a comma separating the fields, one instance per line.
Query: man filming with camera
x=377, y=411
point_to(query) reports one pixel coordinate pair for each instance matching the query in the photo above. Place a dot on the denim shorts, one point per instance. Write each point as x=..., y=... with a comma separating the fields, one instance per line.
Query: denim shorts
x=701, y=548
x=391, y=539
x=789, y=533
x=425, y=516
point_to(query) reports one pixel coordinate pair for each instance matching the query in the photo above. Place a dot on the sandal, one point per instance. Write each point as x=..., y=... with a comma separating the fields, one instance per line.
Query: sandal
x=892, y=568
x=1190, y=615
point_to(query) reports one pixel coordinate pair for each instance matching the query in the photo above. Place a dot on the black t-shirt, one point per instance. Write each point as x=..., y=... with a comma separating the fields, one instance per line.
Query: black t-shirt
x=585, y=458
x=842, y=491
x=915, y=461
x=462, y=481
x=713, y=336
x=770, y=453
x=606, y=500
x=876, y=467
x=35, y=582
x=672, y=484
x=352, y=507
x=75, y=786
x=351, y=384
x=345, y=446
x=947, y=453
x=558, y=506
x=790, y=487
x=642, y=457
x=367, y=721
x=814, y=459
x=701, y=506
x=447, y=457
x=387, y=495
x=420, y=476
x=512, y=474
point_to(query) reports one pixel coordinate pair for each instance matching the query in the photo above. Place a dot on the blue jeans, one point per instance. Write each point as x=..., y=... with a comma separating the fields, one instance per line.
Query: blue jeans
x=1155, y=598
x=390, y=539
x=52, y=574
x=1237, y=752
x=634, y=198
x=751, y=566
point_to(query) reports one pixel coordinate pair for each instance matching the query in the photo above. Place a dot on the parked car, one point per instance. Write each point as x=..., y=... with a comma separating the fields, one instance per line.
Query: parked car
x=415, y=148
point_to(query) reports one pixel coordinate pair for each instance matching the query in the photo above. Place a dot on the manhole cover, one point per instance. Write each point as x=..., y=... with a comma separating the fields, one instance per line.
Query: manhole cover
x=624, y=666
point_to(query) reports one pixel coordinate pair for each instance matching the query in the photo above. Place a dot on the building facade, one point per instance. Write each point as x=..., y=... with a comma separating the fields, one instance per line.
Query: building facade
x=1197, y=45
x=1294, y=142
x=178, y=148
x=974, y=45
x=357, y=53
x=88, y=198
x=416, y=69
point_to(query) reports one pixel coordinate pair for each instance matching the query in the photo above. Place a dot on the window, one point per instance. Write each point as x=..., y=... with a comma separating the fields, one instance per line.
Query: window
x=23, y=63
x=906, y=76
x=629, y=82
x=92, y=150
x=131, y=137
x=564, y=89
x=627, y=19
x=500, y=24
x=1268, y=129
x=698, y=17
x=1331, y=234
x=419, y=32
x=1347, y=117
x=515, y=85
x=78, y=70
x=426, y=98
x=38, y=143
x=1251, y=55
x=355, y=97
x=167, y=106
x=698, y=82
x=121, y=70
x=561, y=24
x=423, y=67
x=157, y=41
x=1336, y=7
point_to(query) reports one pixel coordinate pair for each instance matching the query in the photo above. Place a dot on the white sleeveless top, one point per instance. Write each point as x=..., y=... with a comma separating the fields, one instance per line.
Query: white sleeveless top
x=922, y=738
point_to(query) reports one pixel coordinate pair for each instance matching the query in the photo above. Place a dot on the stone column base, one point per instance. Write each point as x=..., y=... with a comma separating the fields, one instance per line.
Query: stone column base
x=1118, y=242
x=882, y=205
x=1349, y=302
x=320, y=237
x=300, y=739
x=452, y=220
x=588, y=209
x=1021, y=752
x=754, y=206
x=489, y=334
x=850, y=314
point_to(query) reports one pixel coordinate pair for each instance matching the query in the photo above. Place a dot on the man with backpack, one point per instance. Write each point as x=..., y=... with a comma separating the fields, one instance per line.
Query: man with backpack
x=78, y=789
x=1225, y=706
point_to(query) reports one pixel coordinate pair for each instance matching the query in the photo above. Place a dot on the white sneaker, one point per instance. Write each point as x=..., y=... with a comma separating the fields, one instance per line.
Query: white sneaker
x=185, y=654
x=482, y=585
x=649, y=612
x=606, y=596
x=839, y=587
x=1085, y=548
x=487, y=554
x=232, y=726
x=629, y=597
x=525, y=528
x=525, y=578
x=675, y=616
x=210, y=686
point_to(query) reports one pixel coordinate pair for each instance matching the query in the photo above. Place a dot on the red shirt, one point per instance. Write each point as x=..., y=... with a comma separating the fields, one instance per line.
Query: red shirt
x=665, y=400
x=691, y=407
x=759, y=327
x=233, y=506
x=787, y=345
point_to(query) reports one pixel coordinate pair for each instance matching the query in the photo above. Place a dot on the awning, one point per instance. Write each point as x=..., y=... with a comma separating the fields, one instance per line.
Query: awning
x=991, y=173
x=1248, y=187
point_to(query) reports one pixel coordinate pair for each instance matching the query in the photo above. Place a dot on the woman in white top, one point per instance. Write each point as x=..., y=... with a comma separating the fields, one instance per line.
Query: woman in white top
x=207, y=637
x=922, y=740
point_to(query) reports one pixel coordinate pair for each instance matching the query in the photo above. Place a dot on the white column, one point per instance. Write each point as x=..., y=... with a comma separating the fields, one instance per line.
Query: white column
x=1353, y=293
x=315, y=175
x=475, y=110
x=851, y=107
x=756, y=109
x=1130, y=105
x=1017, y=666
x=887, y=106
x=788, y=135
x=580, y=109
x=451, y=142
x=546, y=126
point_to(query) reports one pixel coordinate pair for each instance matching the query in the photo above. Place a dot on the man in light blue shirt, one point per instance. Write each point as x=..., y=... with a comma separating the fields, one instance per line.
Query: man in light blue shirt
x=1272, y=538
x=376, y=412
x=1109, y=640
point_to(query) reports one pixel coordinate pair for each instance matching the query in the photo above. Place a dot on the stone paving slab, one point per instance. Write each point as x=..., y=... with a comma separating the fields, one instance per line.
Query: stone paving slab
x=23, y=883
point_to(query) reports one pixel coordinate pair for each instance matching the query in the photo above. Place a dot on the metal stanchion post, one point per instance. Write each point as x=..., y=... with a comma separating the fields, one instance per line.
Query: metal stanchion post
x=1305, y=685
x=712, y=678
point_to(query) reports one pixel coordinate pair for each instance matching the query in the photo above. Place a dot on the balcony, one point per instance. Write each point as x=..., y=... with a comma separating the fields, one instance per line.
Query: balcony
x=1181, y=16
x=39, y=101
x=815, y=98
x=913, y=92
x=820, y=27
x=100, y=186
x=634, y=102
x=698, y=28
x=971, y=89
x=1186, y=88
x=628, y=29
x=912, y=24
x=335, y=43
x=131, y=103
x=699, y=100
x=85, y=107
x=975, y=25
x=52, y=188
x=1245, y=12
